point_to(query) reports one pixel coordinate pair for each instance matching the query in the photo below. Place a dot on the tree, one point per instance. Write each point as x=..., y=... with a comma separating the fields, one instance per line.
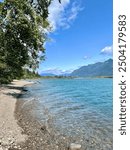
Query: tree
x=22, y=35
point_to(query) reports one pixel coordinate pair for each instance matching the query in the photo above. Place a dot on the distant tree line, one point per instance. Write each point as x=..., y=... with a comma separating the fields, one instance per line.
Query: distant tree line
x=23, y=25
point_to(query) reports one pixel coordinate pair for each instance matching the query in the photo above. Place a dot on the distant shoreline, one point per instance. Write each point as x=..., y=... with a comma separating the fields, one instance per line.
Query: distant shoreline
x=71, y=77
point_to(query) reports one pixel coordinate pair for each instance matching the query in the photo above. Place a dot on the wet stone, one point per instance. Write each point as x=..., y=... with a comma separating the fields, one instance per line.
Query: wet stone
x=74, y=146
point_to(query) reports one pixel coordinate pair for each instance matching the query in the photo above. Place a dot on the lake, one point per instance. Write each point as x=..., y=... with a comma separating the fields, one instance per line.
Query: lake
x=78, y=108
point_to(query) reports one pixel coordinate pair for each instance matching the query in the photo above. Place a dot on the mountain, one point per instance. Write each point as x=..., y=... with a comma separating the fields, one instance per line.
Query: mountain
x=98, y=69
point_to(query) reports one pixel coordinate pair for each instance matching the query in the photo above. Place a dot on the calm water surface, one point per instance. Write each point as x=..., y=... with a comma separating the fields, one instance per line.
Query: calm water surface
x=79, y=108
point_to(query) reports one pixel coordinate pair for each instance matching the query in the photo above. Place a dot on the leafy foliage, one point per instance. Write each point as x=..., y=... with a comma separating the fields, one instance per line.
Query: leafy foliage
x=29, y=74
x=22, y=35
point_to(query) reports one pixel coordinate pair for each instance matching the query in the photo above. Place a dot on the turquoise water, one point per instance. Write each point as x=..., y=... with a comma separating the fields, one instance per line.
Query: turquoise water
x=80, y=108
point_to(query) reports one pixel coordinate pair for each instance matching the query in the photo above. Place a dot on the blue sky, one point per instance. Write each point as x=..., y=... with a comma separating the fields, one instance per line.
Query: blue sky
x=82, y=34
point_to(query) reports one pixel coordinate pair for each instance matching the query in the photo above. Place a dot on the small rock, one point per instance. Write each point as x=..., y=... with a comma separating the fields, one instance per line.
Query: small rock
x=63, y=138
x=41, y=139
x=43, y=128
x=25, y=90
x=74, y=146
x=11, y=142
x=15, y=147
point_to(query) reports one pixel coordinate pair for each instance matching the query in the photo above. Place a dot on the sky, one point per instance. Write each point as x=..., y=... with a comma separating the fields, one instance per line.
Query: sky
x=81, y=35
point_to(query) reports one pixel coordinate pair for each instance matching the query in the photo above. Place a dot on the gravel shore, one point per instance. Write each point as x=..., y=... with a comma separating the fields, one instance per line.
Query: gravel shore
x=10, y=133
x=19, y=130
x=41, y=136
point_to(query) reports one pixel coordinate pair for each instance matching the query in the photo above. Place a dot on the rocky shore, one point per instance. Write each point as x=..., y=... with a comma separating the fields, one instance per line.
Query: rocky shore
x=41, y=135
x=20, y=130
x=10, y=133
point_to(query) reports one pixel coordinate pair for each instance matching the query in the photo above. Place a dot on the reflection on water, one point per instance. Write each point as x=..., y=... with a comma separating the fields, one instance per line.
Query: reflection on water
x=80, y=108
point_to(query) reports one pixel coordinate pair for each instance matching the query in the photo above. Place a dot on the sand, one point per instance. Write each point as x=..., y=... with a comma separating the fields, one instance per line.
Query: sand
x=10, y=132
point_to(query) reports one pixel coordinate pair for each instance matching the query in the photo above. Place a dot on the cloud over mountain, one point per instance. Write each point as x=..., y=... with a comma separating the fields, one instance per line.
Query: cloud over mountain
x=108, y=50
x=55, y=71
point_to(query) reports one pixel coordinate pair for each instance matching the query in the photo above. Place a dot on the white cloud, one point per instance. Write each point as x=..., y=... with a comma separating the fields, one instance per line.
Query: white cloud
x=108, y=50
x=62, y=15
x=86, y=57
x=56, y=71
x=75, y=9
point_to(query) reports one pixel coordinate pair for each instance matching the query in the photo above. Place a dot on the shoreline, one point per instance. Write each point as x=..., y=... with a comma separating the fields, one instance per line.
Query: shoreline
x=21, y=130
x=41, y=135
x=10, y=132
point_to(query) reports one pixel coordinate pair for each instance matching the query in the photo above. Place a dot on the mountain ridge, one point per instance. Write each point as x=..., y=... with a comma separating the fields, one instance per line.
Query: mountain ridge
x=92, y=70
